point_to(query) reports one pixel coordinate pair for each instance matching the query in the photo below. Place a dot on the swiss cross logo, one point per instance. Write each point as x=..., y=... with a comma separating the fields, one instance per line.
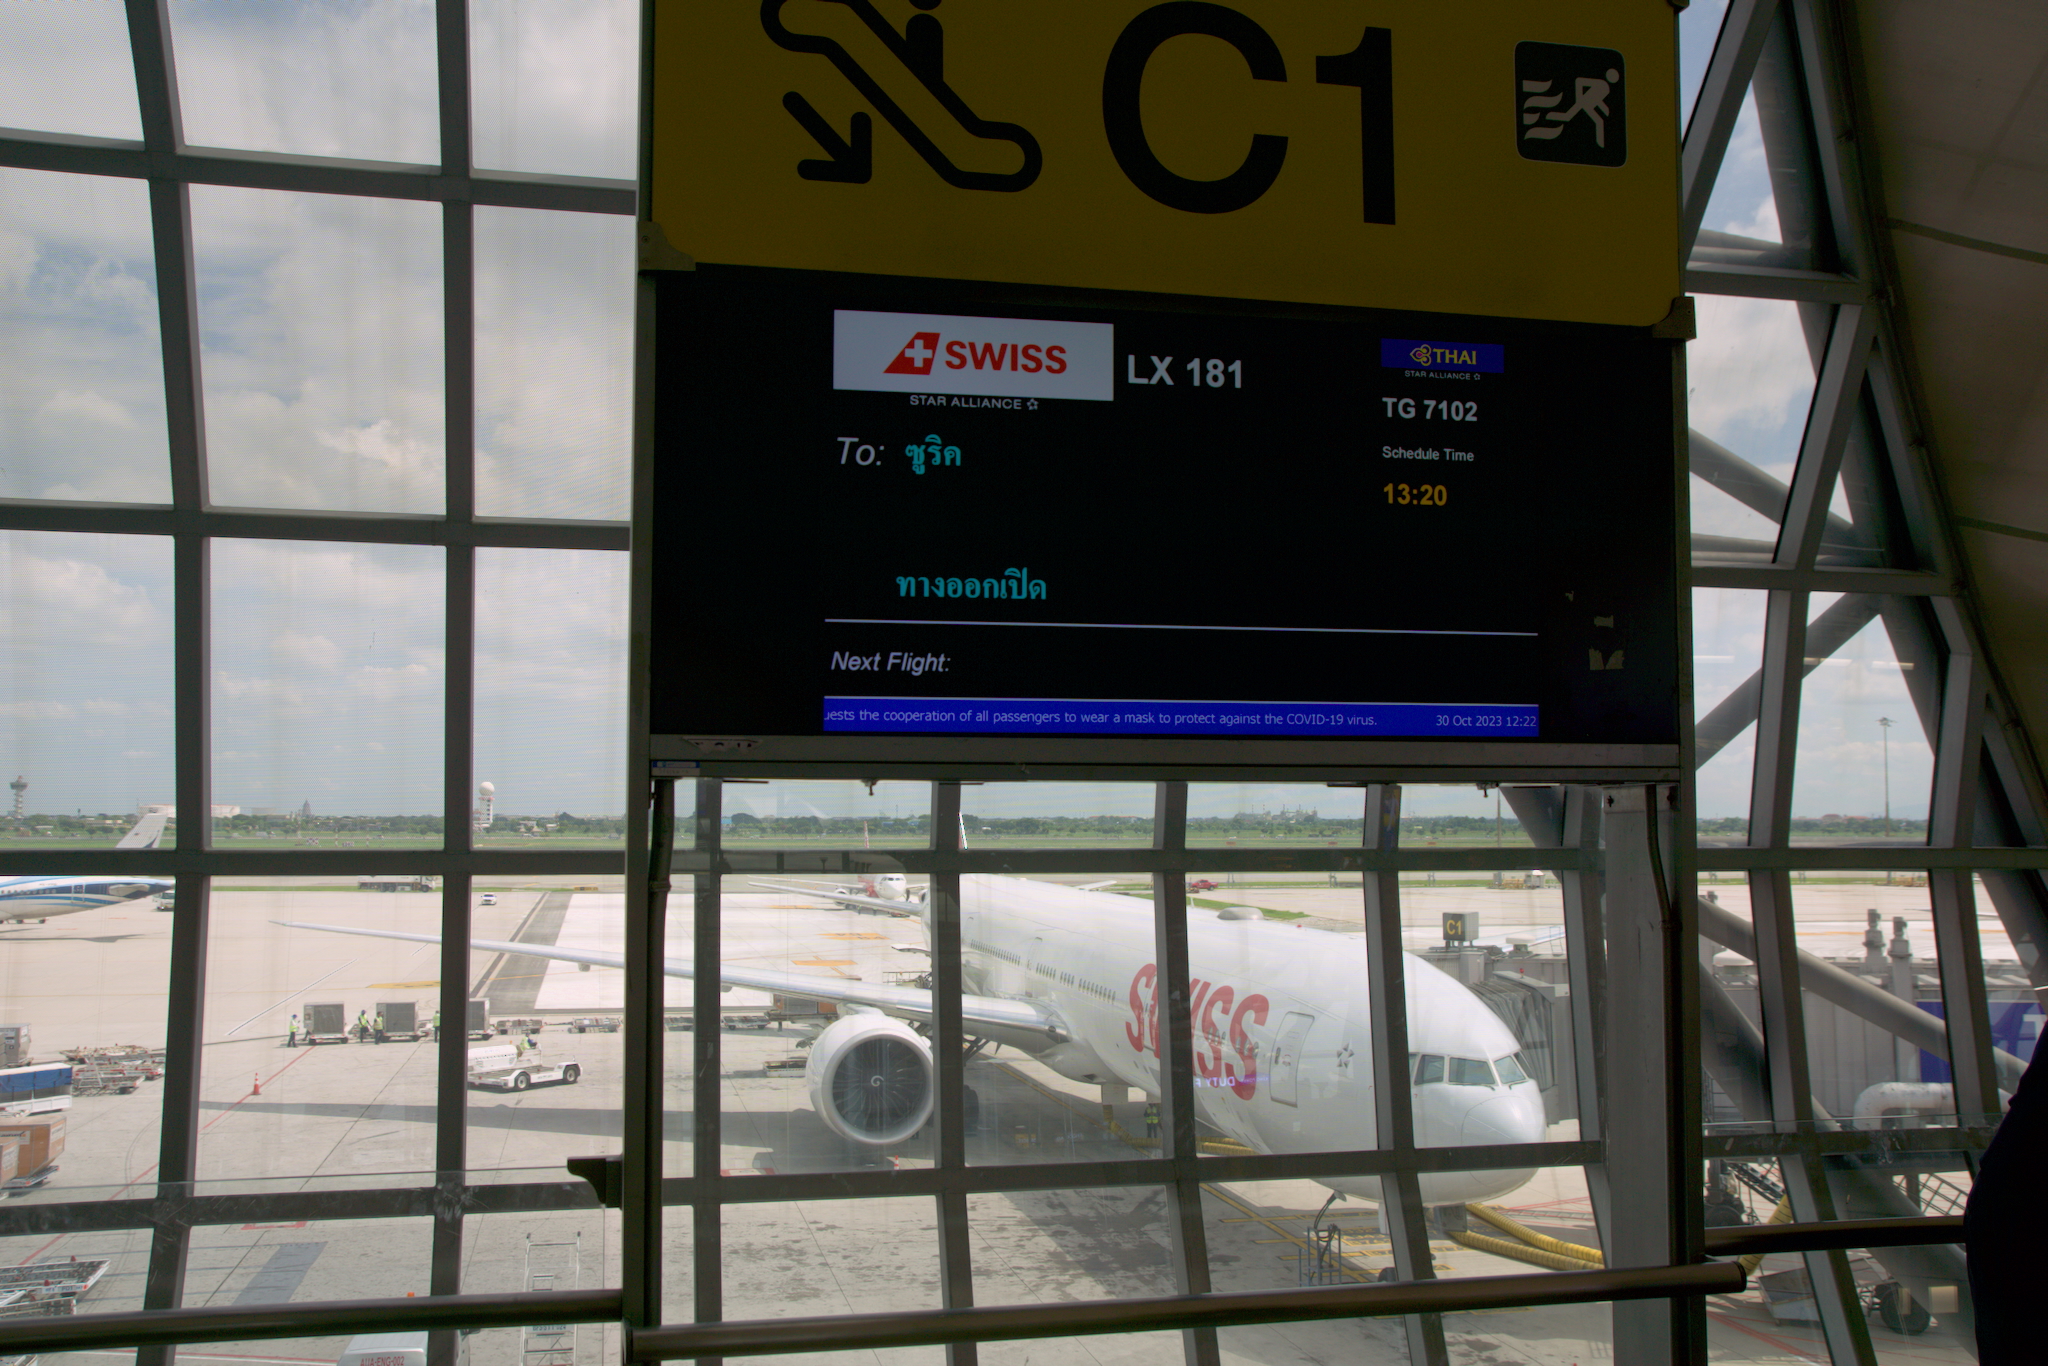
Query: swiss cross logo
x=916, y=357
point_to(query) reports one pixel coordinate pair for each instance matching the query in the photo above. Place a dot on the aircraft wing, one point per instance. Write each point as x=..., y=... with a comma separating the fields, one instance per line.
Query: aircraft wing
x=1028, y=1025
x=873, y=903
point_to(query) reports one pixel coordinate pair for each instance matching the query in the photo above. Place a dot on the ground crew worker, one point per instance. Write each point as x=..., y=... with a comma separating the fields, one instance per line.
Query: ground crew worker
x=362, y=1026
x=437, y=1024
x=1152, y=1119
x=378, y=1026
x=291, y=1038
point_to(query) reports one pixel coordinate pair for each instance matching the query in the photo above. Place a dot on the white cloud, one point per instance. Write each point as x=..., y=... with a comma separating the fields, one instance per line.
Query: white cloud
x=354, y=80
x=1750, y=377
x=389, y=685
x=315, y=652
x=320, y=339
x=81, y=395
x=68, y=68
x=537, y=106
x=88, y=407
x=37, y=711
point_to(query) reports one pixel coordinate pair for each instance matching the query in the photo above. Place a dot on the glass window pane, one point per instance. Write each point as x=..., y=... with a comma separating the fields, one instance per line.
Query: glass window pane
x=844, y=1257
x=1878, y=928
x=299, y=1083
x=546, y=1080
x=1038, y=1246
x=555, y=86
x=331, y=1259
x=1741, y=224
x=327, y=682
x=1865, y=768
x=1250, y=815
x=320, y=337
x=1281, y=1235
x=82, y=392
x=1751, y=382
x=828, y=814
x=551, y=696
x=1057, y=815
x=554, y=330
x=1698, y=27
x=346, y=80
x=87, y=732
x=68, y=69
x=1728, y=649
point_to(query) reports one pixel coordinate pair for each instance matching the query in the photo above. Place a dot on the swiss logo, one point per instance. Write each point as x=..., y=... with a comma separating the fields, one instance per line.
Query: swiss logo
x=916, y=356
x=1570, y=104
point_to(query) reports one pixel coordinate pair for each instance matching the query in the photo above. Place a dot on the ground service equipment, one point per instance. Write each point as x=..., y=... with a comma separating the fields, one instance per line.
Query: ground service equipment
x=506, y=1067
x=403, y=1020
x=478, y=1026
x=326, y=1022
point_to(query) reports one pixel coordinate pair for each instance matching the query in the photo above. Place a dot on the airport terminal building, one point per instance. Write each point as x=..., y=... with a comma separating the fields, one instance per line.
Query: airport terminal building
x=1372, y=860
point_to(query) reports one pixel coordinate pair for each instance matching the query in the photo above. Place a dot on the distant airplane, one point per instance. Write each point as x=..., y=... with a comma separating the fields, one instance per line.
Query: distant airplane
x=39, y=898
x=1067, y=975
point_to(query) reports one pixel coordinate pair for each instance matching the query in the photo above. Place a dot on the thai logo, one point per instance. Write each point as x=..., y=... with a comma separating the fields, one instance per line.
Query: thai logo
x=932, y=451
x=1406, y=353
x=1015, y=583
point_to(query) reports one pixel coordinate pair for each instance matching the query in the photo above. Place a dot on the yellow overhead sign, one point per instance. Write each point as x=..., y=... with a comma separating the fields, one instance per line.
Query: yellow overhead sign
x=1488, y=156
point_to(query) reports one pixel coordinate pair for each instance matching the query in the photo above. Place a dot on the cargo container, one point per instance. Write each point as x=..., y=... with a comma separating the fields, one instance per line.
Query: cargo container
x=403, y=1019
x=326, y=1022
x=38, y=1142
x=38, y=1088
x=478, y=1026
x=14, y=1050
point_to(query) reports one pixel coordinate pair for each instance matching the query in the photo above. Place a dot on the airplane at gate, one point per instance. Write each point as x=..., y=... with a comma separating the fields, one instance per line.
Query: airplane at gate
x=39, y=898
x=1282, y=1037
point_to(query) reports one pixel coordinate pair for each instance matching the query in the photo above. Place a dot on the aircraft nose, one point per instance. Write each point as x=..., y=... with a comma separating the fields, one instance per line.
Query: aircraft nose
x=1510, y=1118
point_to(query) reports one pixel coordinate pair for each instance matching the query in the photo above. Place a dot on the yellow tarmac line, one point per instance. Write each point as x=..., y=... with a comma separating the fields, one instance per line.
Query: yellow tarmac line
x=1286, y=1235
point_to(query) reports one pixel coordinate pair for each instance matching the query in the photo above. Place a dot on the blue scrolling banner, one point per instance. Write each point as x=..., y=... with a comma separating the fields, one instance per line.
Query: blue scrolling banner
x=1054, y=716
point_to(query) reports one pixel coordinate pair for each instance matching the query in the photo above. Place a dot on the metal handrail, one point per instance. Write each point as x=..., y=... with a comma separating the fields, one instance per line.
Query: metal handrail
x=916, y=1328
x=1752, y=1238
x=318, y=1318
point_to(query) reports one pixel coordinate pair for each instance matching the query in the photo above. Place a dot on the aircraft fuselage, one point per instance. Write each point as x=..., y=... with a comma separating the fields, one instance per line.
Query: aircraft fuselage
x=1282, y=1038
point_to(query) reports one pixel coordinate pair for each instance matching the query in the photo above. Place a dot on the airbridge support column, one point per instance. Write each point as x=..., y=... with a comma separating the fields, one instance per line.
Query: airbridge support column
x=1650, y=1102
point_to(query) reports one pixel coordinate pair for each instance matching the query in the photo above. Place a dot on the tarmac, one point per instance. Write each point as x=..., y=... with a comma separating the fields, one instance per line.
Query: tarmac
x=357, y=1116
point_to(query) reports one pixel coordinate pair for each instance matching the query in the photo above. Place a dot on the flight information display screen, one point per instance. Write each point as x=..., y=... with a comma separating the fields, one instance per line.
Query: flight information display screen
x=885, y=507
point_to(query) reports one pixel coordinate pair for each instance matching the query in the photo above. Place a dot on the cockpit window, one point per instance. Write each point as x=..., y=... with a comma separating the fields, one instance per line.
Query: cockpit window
x=1471, y=1072
x=1510, y=1069
x=1430, y=1069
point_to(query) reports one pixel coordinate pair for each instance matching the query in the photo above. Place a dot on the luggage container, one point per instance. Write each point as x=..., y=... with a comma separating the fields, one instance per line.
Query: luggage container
x=403, y=1019
x=326, y=1022
x=478, y=1026
x=14, y=1050
x=38, y=1143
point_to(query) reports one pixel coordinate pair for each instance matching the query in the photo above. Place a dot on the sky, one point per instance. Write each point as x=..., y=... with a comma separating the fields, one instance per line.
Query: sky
x=321, y=355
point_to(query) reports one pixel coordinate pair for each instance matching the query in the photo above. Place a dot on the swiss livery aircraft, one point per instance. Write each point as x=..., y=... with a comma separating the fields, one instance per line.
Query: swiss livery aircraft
x=1068, y=976
x=39, y=898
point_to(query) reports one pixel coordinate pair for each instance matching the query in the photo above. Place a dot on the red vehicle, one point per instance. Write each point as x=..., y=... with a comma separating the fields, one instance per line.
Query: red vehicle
x=1201, y=884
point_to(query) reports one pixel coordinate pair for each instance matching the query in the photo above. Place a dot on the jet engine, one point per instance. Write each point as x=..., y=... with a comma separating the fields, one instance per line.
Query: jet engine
x=871, y=1079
